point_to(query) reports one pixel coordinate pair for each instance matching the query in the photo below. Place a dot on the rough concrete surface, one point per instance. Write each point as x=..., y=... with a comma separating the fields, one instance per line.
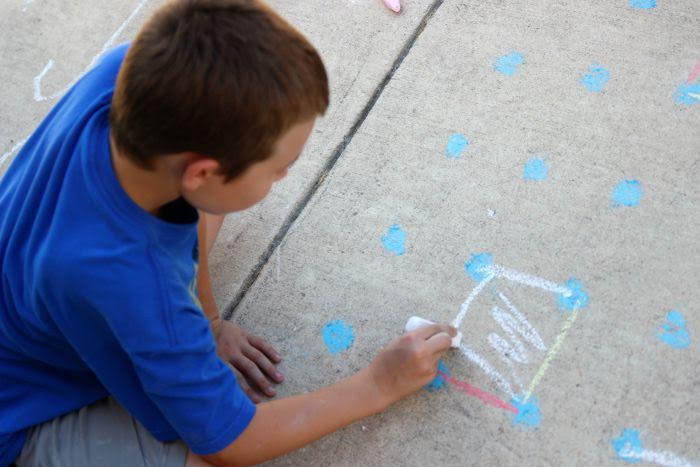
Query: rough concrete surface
x=553, y=159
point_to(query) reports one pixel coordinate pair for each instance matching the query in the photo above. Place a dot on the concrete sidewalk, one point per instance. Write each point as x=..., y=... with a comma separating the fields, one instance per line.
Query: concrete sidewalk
x=534, y=164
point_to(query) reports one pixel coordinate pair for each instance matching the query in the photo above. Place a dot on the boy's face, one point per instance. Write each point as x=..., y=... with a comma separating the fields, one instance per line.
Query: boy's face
x=205, y=189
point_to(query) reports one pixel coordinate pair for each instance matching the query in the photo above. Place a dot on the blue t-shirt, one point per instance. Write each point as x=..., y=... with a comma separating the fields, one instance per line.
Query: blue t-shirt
x=97, y=296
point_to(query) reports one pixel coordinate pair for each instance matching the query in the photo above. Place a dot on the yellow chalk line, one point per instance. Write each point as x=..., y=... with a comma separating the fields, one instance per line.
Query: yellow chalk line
x=552, y=353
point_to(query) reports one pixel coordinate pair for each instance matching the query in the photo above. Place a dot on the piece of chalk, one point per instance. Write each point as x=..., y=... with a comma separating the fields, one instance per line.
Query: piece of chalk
x=393, y=5
x=414, y=322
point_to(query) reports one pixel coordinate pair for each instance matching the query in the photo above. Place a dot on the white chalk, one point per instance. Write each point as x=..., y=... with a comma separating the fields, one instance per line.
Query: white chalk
x=414, y=322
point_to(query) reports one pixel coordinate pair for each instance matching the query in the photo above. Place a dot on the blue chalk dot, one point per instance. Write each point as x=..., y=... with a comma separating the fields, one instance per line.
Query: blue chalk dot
x=643, y=4
x=674, y=331
x=338, y=336
x=596, y=78
x=535, y=169
x=578, y=299
x=688, y=94
x=439, y=381
x=529, y=414
x=478, y=266
x=456, y=146
x=628, y=444
x=509, y=64
x=627, y=193
x=395, y=240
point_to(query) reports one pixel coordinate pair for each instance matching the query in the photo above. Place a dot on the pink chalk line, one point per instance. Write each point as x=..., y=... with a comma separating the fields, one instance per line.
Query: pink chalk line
x=486, y=397
x=694, y=74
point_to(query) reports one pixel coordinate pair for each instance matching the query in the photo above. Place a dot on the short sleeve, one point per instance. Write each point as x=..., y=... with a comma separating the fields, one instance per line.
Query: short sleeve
x=151, y=346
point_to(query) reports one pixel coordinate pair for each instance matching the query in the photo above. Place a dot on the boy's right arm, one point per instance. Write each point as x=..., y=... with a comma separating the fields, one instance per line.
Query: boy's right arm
x=284, y=425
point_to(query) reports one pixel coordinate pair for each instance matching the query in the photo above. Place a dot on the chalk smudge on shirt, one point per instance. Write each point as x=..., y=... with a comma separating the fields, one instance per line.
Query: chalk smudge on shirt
x=395, y=240
x=338, y=336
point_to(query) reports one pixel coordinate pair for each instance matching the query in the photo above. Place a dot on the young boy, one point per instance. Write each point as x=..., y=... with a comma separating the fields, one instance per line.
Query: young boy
x=111, y=351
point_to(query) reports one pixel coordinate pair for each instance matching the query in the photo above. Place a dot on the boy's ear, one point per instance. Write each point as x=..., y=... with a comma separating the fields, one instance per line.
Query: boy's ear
x=198, y=169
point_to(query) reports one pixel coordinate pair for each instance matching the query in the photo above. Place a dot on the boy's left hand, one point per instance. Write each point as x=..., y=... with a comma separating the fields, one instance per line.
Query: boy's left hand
x=254, y=358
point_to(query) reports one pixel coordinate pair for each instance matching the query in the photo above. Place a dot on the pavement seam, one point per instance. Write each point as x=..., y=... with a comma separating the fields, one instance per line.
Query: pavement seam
x=329, y=165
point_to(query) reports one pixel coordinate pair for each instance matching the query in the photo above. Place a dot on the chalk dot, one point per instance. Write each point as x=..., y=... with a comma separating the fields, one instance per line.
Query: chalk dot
x=596, y=78
x=627, y=193
x=456, y=146
x=628, y=444
x=338, y=336
x=478, y=266
x=439, y=381
x=674, y=331
x=528, y=414
x=643, y=4
x=509, y=64
x=577, y=299
x=688, y=94
x=395, y=240
x=535, y=169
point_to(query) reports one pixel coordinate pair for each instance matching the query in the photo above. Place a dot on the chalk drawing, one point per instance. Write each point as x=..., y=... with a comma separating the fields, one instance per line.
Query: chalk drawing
x=627, y=193
x=643, y=4
x=570, y=297
x=38, y=95
x=596, y=78
x=551, y=354
x=478, y=266
x=513, y=351
x=674, y=331
x=509, y=64
x=694, y=73
x=338, y=336
x=12, y=150
x=484, y=396
x=535, y=170
x=456, y=146
x=688, y=94
x=395, y=240
x=26, y=4
x=575, y=299
x=439, y=382
x=629, y=448
x=528, y=415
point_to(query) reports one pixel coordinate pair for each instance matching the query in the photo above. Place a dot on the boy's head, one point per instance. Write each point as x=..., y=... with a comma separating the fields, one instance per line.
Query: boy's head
x=228, y=82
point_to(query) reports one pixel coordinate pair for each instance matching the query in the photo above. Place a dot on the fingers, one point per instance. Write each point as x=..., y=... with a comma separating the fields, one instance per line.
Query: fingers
x=438, y=343
x=262, y=361
x=250, y=392
x=264, y=347
x=251, y=371
x=426, y=331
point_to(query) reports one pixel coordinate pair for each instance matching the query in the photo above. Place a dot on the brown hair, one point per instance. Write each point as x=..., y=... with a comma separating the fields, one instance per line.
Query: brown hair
x=222, y=78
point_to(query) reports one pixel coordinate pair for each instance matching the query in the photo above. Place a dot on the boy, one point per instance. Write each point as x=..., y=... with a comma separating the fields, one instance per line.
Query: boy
x=107, y=356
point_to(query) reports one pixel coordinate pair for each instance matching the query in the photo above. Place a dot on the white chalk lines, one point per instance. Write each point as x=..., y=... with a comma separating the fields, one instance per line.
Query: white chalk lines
x=517, y=329
x=38, y=96
x=37, y=80
x=665, y=458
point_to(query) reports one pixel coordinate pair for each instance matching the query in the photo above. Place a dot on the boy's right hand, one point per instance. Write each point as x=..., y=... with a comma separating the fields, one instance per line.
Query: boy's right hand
x=410, y=362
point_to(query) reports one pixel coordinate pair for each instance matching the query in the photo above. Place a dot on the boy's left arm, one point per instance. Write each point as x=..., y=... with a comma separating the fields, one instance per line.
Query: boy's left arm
x=254, y=358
